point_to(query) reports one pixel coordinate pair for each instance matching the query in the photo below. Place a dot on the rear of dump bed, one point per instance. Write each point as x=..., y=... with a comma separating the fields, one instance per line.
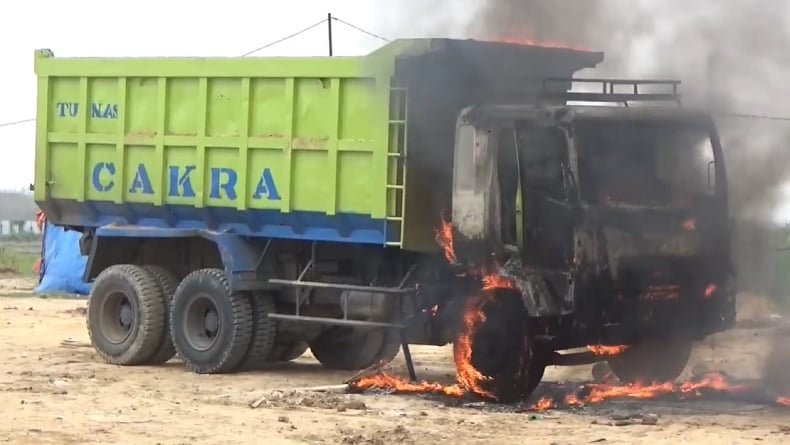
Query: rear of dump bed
x=288, y=148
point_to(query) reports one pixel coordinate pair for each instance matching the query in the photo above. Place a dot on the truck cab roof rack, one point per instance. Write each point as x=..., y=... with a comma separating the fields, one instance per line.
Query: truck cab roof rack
x=613, y=90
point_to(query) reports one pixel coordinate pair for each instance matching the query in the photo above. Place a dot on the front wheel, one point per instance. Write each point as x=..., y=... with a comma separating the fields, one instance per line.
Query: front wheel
x=652, y=361
x=494, y=355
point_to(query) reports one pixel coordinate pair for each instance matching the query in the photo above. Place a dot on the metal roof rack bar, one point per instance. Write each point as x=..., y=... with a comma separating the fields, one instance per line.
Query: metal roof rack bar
x=608, y=90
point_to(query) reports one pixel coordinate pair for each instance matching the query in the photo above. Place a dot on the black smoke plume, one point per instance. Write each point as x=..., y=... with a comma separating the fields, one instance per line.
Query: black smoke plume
x=731, y=56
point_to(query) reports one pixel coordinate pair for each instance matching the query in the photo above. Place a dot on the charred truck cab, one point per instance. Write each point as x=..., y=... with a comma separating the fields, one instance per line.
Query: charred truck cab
x=610, y=222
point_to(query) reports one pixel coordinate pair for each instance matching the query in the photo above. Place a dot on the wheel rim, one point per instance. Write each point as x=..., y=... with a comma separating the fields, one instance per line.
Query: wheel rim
x=118, y=317
x=491, y=353
x=497, y=345
x=202, y=323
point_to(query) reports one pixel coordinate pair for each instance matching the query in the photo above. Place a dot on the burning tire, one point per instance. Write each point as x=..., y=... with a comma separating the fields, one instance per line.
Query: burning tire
x=211, y=327
x=652, y=361
x=264, y=330
x=494, y=355
x=352, y=350
x=167, y=283
x=126, y=315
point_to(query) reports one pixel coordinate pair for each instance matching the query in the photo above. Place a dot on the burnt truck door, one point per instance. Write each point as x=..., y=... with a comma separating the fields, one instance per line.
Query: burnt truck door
x=548, y=210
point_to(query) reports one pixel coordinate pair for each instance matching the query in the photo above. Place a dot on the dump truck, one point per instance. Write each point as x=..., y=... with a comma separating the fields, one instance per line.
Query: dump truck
x=238, y=211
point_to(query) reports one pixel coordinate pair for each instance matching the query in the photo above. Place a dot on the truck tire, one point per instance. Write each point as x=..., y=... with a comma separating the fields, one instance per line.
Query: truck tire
x=211, y=327
x=652, y=361
x=390, y=346
x=286, y=352
x=167, y=285
x=348, y=351
x=502, y=351
x=264, y=330
x=126, y=315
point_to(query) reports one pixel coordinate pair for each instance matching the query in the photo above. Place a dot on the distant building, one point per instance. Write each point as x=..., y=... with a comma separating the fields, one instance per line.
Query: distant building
x=16, y=206
x=10, y=228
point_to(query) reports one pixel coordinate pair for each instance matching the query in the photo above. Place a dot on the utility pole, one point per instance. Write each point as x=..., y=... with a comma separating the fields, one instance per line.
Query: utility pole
x=329, y=26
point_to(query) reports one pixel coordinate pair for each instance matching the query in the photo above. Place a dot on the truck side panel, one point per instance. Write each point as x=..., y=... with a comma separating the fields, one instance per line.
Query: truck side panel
x=297, y=151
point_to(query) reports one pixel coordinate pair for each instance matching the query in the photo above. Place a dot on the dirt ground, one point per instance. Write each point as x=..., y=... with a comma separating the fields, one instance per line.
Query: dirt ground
x=61, y=394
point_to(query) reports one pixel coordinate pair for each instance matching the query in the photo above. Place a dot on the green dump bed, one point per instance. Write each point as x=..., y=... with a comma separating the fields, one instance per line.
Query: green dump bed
x=347, y=149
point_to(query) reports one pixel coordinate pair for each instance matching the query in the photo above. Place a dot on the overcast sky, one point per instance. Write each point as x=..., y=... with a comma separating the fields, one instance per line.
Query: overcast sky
x=153, y=28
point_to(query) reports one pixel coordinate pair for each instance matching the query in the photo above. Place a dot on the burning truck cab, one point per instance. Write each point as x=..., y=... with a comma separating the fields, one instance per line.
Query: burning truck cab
x=316, y=213
x=610, y=224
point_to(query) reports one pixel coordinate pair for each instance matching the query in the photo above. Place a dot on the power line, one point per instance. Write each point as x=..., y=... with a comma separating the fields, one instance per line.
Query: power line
x=23, y=121
x=372, y=34
x=284, y=38
x=290, y=36
x=364, y=31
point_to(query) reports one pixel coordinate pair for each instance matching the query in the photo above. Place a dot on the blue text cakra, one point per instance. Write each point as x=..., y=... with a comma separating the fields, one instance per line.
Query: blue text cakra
x=222, y=184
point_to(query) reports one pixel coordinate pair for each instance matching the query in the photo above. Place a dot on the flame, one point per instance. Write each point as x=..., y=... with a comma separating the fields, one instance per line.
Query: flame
x=690, y=225
x=666, y=293
x=400, y=385
x=493, y=281
x=467, y=375
x=607, y=350
x=596, y=393
x=587, y=394
x=710, y=290
x=471, y=380
x=444, y=237
x=528, y=41
x=544, y=404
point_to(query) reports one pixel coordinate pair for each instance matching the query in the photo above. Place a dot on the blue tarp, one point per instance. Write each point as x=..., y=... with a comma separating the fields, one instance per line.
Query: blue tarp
x=63, y=264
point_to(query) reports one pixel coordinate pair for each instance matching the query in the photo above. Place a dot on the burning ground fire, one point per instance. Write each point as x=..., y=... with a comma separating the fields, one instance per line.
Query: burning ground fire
x=470, y=380
x=583, y=395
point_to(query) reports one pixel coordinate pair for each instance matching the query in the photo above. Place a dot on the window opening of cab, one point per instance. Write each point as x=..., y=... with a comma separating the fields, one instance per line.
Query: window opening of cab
x=542, y=154
x=644, y=163
x=508, y=175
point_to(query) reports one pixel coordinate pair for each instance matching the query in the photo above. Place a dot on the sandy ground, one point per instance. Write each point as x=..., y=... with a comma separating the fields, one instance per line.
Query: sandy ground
x=50, y=393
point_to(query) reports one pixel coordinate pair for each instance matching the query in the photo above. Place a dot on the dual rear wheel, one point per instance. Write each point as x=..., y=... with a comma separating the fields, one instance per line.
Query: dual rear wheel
x=141, y=315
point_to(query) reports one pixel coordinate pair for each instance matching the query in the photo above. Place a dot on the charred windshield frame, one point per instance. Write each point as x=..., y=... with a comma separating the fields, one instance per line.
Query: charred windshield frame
x=587, y=128
x=556, y=138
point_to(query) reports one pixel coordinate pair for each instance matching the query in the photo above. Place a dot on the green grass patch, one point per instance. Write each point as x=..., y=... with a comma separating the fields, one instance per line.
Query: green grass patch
x=18, y=256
